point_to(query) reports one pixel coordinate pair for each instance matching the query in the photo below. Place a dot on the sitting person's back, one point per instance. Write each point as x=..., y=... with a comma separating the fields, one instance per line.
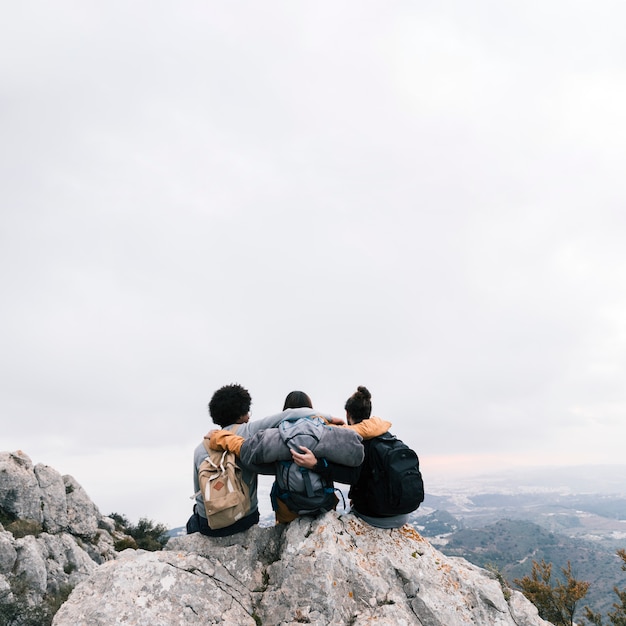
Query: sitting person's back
x=328, y=472
x=376, y=501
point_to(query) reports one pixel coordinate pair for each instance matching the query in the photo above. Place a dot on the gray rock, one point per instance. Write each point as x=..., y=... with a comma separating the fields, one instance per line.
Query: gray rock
x=30, y=566
x=107, y=523
x=20, y=495
x=522, y=610
x=42, y=495
x=101, y=547
x=5, y=589
x=8, y=555
x=83, y=515
x=53, y=500
x=67, y=563
x=331, y=571
x=173, y=589
x=44, y=565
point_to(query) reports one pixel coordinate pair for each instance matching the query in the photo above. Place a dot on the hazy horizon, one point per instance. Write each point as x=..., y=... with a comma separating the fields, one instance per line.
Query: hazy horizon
x=107, y=487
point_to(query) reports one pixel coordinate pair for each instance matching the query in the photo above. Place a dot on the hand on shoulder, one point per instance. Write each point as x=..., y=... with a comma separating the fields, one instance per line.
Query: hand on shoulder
x=305, y=459
x=224, y=440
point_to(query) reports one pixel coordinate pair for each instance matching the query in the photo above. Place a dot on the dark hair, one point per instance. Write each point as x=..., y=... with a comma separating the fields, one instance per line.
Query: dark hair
x=297, y=400
x=228, y=404
x=359, y=405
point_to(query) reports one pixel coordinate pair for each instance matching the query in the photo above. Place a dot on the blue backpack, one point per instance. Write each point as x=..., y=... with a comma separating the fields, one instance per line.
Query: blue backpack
x=304, y=491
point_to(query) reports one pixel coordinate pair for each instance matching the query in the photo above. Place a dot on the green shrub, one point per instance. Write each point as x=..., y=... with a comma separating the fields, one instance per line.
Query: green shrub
x=121, y=521
x=555, y=600
x=617, y=617
x=146, y=535
x=127, y=542
x=149, y=536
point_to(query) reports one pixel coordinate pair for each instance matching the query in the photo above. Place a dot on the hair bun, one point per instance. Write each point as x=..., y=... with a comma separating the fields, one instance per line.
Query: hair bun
x=364, y=392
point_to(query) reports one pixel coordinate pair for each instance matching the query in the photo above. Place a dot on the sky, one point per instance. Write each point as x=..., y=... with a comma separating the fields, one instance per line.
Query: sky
x=427, y=199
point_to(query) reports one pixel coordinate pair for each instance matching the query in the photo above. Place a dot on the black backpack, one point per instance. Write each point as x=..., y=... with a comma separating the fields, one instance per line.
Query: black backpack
x=391, y=482
x=304, y=491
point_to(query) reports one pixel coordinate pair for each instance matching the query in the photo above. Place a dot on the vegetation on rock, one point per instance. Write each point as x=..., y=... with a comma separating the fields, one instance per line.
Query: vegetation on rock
x=616, y=617
x=146, y=535
x=556, y=600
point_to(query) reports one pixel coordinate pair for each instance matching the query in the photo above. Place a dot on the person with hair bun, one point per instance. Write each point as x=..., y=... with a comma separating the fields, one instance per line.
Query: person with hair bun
x=358, y=409
x=359, y=405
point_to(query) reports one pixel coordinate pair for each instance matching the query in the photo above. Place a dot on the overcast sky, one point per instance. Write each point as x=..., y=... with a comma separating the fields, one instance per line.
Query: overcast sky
x=425, y=198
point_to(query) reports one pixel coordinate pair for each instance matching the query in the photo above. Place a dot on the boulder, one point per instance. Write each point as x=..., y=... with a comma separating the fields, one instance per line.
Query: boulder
x=8, y=554
x=53, y=498
x=67, y=562
x=30, y=566
x=82, y=513
x=20, y=495
x=333, y=570
x=52, y=536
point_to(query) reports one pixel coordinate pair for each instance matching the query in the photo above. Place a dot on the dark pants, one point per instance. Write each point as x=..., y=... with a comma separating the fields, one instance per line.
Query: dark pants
x=198, y=524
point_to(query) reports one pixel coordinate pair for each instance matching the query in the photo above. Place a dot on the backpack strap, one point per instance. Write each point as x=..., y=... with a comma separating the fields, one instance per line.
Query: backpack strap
x=306, y=477
x=336, y=489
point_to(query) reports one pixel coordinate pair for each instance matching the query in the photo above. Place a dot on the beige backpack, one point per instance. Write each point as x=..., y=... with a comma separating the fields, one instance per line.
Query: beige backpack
x=226, y=496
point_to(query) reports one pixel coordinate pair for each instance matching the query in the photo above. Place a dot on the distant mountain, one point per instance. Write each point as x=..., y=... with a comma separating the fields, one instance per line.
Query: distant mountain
x=512, y=545
x=575, y=514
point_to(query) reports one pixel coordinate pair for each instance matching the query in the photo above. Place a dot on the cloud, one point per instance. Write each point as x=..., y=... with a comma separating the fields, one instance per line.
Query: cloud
x=425, y=200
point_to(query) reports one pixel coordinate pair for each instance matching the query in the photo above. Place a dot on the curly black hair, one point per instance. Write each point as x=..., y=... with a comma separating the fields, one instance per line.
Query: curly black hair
x=228, y=404
x=359, y=405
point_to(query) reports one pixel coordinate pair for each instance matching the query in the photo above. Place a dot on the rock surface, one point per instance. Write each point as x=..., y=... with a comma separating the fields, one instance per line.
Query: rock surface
x=335, y=570
x=52, y=536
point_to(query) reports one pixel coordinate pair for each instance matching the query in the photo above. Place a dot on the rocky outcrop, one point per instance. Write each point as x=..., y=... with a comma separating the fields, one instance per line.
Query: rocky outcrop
x=334, y=570
x=41, y=495
x=52, y=536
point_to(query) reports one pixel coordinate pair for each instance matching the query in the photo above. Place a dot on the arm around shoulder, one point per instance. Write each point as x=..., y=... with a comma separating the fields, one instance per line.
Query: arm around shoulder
x=225, y=440
x=370, y=428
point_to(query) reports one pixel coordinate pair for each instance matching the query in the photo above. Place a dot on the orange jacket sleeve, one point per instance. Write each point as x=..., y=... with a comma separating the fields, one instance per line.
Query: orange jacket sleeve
x=370, y=428
x=225, y=440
